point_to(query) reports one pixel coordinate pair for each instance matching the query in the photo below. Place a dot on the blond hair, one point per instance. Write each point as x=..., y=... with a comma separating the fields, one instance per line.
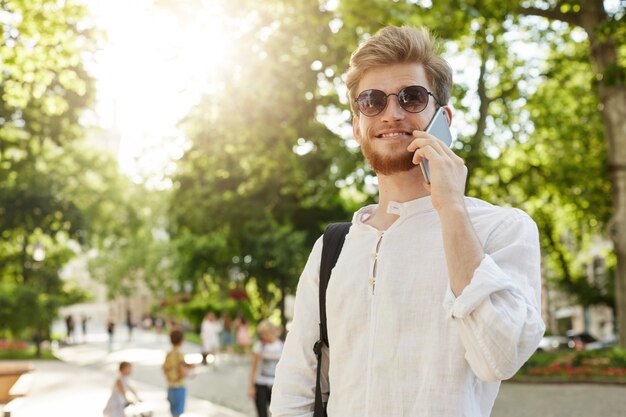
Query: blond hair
x=267, y=326
x=400, y=45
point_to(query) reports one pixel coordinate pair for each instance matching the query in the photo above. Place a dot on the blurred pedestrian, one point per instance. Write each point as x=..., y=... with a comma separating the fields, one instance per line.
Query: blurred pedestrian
x=110, y=331
x=265, y=356
x=176, y=370
x=159, y=324
x=69, y=325
x=83, y=325
x=210, y=334
x=122, y=394
x=242, y=335
x=226, y=335
x=130, y=324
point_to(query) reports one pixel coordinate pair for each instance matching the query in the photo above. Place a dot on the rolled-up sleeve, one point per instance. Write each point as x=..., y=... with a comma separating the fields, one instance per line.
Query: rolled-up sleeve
x=499, y=313
x=293, y=393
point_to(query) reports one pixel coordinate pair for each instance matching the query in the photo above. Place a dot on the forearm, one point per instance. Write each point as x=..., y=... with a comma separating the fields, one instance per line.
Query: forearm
x=463, y=250
x=255, y=361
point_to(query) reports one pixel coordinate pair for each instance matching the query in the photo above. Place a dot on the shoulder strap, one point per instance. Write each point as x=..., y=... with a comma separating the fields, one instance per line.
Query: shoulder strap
x=334, y=237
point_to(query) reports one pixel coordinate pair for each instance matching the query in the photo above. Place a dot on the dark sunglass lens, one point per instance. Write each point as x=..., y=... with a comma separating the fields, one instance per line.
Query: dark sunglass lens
x=371, y=102
x=413, y=99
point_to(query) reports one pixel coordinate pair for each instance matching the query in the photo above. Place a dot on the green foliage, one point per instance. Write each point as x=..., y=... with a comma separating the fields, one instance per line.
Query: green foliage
x=29, y=353
x=617, y=357
x=585, y=365
x=258, y=182
x=133, y=246
x=51, y=187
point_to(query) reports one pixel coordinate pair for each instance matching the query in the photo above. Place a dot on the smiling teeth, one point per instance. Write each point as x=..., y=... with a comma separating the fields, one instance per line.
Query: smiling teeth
x=391, y=135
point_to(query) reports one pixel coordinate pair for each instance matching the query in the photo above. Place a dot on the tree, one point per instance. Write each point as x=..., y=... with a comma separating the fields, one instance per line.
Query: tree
x=50, y=185
x=259, y=179
x=606, y=34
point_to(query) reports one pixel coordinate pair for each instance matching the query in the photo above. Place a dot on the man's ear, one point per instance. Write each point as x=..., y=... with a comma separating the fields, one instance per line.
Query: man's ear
x=448, y=112
x=356, y=130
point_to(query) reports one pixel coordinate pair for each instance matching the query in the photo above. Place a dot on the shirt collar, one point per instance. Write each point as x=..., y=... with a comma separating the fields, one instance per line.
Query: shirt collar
x=407, y=208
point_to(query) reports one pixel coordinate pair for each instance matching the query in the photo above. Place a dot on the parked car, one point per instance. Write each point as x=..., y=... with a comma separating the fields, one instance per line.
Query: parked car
x=581, y=341
x=550, y=343
x=607, y=342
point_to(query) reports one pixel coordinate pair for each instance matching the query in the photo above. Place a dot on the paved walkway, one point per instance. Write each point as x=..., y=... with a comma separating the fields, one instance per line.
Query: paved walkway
x=79, y=385
x=560, y=400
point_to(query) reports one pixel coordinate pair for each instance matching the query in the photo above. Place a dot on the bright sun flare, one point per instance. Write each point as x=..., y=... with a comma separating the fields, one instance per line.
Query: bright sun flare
x=158, y=60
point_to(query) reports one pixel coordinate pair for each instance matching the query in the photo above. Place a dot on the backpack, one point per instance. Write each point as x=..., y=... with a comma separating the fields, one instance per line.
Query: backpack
x=334, y=237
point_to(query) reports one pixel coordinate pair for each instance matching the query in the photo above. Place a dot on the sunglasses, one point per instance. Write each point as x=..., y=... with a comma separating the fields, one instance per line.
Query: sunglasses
x=413, y=99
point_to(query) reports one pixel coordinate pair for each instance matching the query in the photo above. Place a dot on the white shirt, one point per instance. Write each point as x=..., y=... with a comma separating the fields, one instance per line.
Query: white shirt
x=269, y=353
x=117, y=401
x=404, y=345
x=210, y=333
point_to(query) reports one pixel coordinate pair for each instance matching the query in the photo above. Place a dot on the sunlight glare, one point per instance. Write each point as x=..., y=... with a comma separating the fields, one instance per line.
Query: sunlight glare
x=159, y=60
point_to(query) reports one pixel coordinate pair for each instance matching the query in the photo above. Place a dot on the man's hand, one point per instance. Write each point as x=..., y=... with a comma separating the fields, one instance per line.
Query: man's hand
x=448, y=172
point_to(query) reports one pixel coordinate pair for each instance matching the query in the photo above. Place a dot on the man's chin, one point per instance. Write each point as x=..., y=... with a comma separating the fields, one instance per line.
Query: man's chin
x=388, y=166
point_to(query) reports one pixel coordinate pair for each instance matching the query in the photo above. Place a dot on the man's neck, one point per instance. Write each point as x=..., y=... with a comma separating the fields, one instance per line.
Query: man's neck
x=400, y=187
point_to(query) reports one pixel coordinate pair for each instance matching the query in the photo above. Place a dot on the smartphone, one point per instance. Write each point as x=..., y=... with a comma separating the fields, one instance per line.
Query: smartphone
x=439, y=128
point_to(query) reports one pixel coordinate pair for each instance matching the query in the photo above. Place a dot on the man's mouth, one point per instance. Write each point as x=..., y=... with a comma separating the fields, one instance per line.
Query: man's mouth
x=395, y=135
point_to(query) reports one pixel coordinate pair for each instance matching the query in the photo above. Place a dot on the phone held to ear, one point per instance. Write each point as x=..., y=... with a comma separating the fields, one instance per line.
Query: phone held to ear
x=438, y=127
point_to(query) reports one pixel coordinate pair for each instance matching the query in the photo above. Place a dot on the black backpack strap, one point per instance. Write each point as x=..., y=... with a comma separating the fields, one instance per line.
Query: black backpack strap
x=334, y=237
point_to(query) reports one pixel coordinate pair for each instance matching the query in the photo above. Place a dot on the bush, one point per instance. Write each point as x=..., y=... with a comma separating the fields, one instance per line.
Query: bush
x=603, y=364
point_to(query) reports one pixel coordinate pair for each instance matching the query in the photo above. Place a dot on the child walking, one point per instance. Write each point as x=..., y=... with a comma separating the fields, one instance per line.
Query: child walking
x=265, y=355
x=176, y=370
x=120, y=397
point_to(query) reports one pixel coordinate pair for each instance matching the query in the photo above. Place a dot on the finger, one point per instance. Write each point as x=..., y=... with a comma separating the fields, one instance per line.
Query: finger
x=426, y=152
x=422, y=139
x=436, y=145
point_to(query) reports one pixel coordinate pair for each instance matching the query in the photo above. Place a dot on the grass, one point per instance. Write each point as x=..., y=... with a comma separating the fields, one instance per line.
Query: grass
x=26, y=354
x=193, y=338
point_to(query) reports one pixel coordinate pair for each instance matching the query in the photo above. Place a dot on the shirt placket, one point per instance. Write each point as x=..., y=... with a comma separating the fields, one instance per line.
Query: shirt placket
x=373, y=274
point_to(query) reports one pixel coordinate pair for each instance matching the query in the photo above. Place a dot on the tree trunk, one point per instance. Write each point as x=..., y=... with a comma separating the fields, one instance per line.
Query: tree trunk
x=614, y=115
x=612, y=94
x=281, y=303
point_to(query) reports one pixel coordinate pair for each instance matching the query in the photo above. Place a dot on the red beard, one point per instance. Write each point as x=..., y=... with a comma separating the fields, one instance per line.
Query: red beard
x=394, y=159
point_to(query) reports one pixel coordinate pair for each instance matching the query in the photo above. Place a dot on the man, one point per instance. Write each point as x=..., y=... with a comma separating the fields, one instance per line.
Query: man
x=435, y=297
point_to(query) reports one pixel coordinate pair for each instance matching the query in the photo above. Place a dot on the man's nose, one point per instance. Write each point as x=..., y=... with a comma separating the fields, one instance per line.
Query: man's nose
x=393, y=111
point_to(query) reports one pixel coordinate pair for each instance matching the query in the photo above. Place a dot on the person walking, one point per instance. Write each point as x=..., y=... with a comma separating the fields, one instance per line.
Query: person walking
x=265, y=355
x=83, y=324
x=210, y=335
x=130, y=324
x=176, y=370
x=110, y=331
x=226, y=335
x=70, y=325
x=435, y=297
x=242, y=335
